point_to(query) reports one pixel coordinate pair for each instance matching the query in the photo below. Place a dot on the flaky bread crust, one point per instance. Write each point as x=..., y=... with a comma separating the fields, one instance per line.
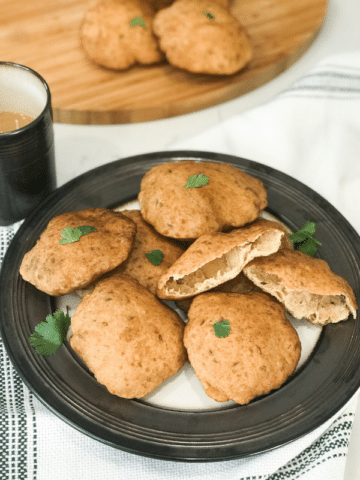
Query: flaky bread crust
x=218, y=257
x=306, y=286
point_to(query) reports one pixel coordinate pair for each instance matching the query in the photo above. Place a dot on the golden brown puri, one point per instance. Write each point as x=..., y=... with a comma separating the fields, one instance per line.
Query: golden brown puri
x=201, y=36
x=241, y=283
x=230, y=199
x=108, y=38
x=217, y=257
x=137, y=265
x=130, y=340
x=259, y=354
x=57, y=268
x=304, y=285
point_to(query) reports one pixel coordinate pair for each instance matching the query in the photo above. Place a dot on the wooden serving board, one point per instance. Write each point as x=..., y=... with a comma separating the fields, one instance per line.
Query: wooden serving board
x=44, y=35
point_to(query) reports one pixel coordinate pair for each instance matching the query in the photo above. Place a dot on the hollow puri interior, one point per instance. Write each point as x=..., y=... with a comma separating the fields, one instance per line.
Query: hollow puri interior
x=224, y=267
x=318, y=309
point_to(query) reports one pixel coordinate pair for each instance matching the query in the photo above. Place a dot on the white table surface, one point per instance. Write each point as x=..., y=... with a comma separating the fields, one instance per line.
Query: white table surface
x=81, y=148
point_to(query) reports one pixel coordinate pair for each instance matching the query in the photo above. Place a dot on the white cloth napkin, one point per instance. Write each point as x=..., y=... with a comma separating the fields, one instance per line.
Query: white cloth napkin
x=311, y=132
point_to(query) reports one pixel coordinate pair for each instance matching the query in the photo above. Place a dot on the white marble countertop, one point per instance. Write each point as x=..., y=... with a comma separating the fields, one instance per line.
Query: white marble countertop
x=81, y=148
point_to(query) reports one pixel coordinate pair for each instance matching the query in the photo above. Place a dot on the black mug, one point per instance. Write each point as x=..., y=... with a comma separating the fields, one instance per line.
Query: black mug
x=27, y=156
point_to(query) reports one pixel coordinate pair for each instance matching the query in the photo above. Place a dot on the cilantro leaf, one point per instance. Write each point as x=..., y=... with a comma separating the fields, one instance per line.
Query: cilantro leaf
x=309, y=228
x=304, y=241
x=209, y=15
x=309, y=246
x=222, y=328
x=195, y=181
x=49, y=332
x=137, y=21
x=50, y=335
x=41, y=346
x=71, y=235
x=155, y=257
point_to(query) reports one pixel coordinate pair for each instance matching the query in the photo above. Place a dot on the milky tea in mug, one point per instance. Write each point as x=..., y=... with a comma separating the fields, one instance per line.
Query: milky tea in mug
x=10, y=121
x=27, y=158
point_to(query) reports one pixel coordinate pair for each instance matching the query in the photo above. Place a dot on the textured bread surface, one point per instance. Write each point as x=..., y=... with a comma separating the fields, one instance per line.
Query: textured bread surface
x=230, y=199
x=108, y=38
x=57, y=268
x=137, y=265
x=130, y=340
x=217, y=257
x=259, y=354
x=201, y=36
x=306, y=286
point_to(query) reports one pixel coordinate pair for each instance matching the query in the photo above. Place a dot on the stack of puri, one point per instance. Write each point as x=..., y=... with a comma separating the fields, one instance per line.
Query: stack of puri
x=239, y=268
x=128, y=338
x=199, y=36
x=221, y=261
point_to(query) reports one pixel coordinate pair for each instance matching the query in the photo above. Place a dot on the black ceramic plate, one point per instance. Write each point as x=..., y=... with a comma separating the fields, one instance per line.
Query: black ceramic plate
x=327, y=381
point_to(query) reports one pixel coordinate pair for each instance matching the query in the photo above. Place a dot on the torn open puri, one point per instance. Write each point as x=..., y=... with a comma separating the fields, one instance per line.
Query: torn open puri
x=304, y=285
x=215, y=258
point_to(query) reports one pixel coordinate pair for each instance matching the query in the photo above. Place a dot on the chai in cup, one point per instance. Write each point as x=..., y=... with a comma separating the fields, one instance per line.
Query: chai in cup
x=27, y=157
x=10, y=121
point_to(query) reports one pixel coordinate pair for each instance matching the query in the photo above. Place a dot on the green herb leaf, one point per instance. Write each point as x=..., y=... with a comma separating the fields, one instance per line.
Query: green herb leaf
x=208, y=14
x=309, y=246
x=137, y=21
x=42, y=346
x=304, y=241
x=71, y=235
x=50, y=335
x=195, y=181
x=222, y=328
x=155, y=257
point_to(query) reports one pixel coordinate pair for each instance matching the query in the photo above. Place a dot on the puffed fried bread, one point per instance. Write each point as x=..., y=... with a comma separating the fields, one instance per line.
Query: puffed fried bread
x=230, y=199
x=110, y=39
x=201, y=36
x=306, y=286
x=137, y=265
x=218, y=257
x=259, y=354
x=58, y=269
x=130, y=340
